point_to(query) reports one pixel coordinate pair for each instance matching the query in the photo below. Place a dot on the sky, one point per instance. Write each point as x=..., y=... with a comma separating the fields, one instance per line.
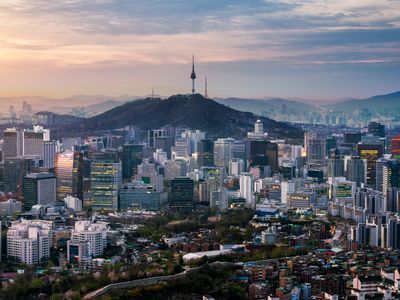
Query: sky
x=311, y=49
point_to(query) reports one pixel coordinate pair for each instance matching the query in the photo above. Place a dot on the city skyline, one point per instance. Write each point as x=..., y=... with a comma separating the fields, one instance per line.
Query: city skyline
x=322, y=50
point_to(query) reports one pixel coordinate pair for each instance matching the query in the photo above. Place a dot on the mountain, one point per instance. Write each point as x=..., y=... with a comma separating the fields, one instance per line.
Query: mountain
x=258, y=106
x=376, y=104
x=92, y=103
x=193, y=111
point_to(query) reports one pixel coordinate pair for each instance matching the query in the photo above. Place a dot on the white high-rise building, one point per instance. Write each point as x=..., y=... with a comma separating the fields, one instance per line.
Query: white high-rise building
x=246, y=183
x=29, y=241
x=287, y=187
x=236, y=167
x=73, y=203
x=95, y=234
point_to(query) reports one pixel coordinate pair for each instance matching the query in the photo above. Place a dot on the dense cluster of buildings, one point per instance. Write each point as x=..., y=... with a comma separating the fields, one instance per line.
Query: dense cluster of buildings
x=53, y=189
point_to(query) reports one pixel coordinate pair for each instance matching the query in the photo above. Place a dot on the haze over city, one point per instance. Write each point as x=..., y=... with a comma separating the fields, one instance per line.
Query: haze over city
x=314, y=49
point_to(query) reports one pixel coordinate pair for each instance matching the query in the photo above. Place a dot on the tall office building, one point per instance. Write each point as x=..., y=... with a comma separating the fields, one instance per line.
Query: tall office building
x=316, y=151
x=29, y=241
x=376, y=129
x=223, y=152
x=205, y=153
x=393, y=232
x=50, y=150
x=335, y=167
x=367, y=234
x=193, y=137
x=393, y=200
x=69, y=169
x=308, y=136
x=370, y=152
x=272, y=155
x=39, y=188
x=181, y=197
x=387, y=174
x=163, y=138
x=106, y=179
x=132, y=156
x=15, y=168
x=246, y=183
x=263, y=153
x=32, y=142
x=396, y=146
x=356, y=170
x=25, y=142
x=12, y=145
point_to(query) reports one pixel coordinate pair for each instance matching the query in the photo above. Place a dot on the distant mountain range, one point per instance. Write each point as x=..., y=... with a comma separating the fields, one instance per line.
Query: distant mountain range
x=376, y=104
x=258, y=106
x=193, y=111
x=92, y=103
x=97, y=104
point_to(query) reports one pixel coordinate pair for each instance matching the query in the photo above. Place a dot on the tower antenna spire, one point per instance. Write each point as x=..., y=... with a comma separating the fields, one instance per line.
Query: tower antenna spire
x=205, y=88
x=193, y=75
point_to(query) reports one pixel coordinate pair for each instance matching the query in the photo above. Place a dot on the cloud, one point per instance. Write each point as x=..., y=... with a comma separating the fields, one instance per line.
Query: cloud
x=96, y=34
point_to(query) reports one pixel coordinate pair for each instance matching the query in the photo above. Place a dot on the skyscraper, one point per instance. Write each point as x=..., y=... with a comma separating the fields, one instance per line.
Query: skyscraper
x=335, y=167
x=32, y=143
x=106, y=179
x=356, y=170
x=370, y=152
x=181, y=197
x=39, y=188
x=50, y=149
x=263, y=153
x=223, y=152
x=396, y=146
x=15, y=168
x=246, y=191
x=132, y=156
x=69, y=168
x=393, y=200
x=12, y=145
x=205, y=156
x=393, y=232
x=316, y=151
x=376, y=129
